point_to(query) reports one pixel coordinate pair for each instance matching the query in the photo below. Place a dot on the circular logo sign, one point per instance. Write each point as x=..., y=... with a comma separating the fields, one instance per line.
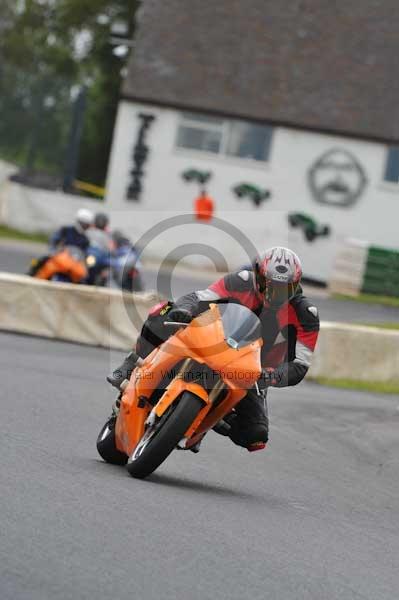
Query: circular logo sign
x=337, y=178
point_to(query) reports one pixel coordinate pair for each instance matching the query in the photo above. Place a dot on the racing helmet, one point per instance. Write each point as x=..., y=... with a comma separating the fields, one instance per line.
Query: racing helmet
x=119, y=238
x=277, y=275
x=84, y=218
x=101, y=221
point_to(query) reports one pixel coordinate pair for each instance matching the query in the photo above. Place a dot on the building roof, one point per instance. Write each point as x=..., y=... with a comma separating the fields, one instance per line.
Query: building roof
x=324, y=65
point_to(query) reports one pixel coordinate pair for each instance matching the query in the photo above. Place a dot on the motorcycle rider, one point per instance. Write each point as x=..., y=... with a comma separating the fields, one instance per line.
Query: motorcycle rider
x=68, y=235
x=76, y=234
x=99, y=252
x=290, y=324
x=126, y=263
x=99, y=235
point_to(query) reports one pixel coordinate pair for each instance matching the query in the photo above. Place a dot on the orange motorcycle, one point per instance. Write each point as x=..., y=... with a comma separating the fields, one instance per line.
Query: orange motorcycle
x=69, y=264
x=184, y=388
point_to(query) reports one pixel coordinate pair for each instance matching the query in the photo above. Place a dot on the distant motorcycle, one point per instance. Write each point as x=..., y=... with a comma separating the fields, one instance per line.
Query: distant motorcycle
x=120, y=269
x=68, y=265
x=98, y=263
x=126, y=268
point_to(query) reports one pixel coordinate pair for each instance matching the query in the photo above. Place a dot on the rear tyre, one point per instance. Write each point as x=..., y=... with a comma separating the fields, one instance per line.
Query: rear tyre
x=159, y=441
x=106, y=445
x=132, y=283
x=137, y=285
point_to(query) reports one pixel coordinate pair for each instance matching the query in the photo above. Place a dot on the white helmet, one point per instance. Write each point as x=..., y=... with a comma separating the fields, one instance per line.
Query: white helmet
x=85, y=217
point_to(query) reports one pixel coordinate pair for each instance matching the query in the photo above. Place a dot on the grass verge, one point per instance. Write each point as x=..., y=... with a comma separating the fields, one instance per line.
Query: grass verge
x=370, y=299
x=15, y=234
x=379, y=387
x=383, y=325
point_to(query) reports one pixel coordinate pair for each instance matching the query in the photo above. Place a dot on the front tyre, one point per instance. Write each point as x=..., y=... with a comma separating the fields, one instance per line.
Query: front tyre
x=106, y=445
x=159, y=440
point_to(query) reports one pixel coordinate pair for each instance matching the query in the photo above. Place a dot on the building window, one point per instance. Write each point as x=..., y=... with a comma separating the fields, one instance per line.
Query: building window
x=392, y=165
x=200, y=133
x=242, y=139
x=247, y=140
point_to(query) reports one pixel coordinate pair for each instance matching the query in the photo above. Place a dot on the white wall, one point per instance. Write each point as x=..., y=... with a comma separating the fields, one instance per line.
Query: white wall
x=36, y=210
x=373, y=217
x=6, y=169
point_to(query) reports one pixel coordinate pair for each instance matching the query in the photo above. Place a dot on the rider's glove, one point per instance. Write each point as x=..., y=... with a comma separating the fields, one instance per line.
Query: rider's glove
x=267, y=378
x=180, y=315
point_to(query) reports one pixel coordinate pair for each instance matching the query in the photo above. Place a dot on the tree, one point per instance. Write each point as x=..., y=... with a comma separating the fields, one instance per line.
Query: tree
x=48, y=49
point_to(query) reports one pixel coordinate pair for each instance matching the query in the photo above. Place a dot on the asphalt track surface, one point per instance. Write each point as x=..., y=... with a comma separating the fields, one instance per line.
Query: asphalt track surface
x=15, y=258
x=315, y=516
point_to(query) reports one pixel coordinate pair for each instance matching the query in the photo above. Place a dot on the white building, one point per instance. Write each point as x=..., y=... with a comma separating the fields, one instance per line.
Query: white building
x=298, y=103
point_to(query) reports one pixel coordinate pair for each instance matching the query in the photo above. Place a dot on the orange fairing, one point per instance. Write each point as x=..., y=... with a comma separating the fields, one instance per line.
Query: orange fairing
x=203, y=341
x=63, y=263
x=173, y=391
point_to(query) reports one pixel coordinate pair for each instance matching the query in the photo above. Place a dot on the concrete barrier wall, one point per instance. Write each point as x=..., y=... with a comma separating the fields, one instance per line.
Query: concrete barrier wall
x=110, y=318
x=94, y=316
x=356, y=352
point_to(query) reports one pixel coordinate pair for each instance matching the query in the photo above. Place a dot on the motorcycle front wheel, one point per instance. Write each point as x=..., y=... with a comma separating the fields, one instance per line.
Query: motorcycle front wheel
x=106, y=445
x=159, y=440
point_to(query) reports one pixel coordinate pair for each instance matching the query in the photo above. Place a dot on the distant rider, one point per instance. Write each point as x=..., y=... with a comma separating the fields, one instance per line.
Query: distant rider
x=76, y=234
x=99, y=235
x=290, y=324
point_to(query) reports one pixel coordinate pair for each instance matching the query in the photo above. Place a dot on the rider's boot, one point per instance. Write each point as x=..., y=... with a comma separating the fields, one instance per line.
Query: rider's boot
x=250, y=427
x=223, y=427
x=122, y=374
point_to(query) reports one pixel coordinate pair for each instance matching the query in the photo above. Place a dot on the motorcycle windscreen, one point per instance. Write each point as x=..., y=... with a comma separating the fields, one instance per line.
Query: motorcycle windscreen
x=240, y=325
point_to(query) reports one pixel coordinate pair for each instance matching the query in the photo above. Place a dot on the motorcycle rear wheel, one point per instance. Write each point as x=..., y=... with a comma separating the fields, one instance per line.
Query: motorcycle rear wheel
x=158, y=442
x=132, y=283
